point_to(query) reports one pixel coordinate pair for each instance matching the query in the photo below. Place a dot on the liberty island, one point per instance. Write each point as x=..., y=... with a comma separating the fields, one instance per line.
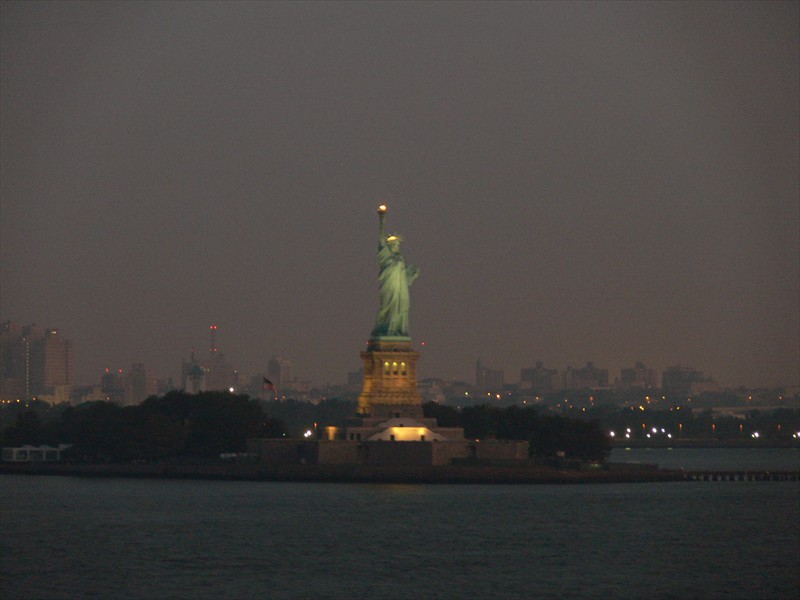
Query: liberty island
x=390, y=405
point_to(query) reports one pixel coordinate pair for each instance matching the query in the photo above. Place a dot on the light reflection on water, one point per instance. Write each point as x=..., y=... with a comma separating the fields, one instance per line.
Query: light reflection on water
x=117, y=538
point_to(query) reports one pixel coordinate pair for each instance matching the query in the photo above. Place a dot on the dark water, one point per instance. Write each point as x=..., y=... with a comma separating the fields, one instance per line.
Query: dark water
x=123, y=538
x=775, y=459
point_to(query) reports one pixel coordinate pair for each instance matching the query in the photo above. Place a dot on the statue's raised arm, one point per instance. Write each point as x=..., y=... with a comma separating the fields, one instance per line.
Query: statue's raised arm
x=394, y=278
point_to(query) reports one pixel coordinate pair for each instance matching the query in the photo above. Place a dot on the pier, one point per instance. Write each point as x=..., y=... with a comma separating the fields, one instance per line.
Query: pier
x=719, y=475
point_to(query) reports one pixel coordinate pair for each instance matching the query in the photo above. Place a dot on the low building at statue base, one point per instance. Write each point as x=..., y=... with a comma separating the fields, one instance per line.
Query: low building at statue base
x=396, y=429
x=397, y=453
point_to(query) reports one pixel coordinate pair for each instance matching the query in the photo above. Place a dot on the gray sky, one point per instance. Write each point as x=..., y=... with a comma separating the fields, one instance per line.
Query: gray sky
x=577, y=181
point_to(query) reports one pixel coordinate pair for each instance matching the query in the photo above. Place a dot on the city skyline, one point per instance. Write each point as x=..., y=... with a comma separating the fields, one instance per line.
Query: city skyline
x=606, y=182
x=221, y=373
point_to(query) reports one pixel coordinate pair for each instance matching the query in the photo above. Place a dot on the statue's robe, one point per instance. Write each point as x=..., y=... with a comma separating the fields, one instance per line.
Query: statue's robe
x=394, y=279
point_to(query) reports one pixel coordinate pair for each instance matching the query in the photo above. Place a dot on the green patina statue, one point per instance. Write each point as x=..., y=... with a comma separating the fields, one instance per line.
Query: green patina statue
x=394, y=279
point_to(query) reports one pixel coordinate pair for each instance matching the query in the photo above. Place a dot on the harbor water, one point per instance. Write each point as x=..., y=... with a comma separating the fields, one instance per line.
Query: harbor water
x=66, y=537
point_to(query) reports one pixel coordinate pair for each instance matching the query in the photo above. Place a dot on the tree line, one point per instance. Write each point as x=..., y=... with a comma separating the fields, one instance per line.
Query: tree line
x=205, y=425
x=177, y=425
x=550, y=436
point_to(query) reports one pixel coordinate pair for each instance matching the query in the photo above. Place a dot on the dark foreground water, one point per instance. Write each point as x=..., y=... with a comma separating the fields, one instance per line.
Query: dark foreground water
x=123, y=538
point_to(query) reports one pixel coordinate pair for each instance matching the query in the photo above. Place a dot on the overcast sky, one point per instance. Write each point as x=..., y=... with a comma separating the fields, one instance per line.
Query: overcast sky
x=577, y=181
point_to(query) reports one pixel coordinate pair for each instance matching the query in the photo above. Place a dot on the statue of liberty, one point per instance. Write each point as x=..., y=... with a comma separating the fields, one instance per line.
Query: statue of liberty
x=394, y=279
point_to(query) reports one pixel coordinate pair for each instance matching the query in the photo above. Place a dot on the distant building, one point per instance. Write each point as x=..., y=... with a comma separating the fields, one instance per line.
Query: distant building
x=138, y=385
x=487, y=379
x=89, y=393
x=680, y=381
x=588, y=377
x=280, y=372
x=193, y=376
x=213, y=374
x=35, y=363
x=638, y=377
x=220, y=374
x=538, y=379
x=112, y=384
x=432, y=390
x=57, y=362
x=14, y=362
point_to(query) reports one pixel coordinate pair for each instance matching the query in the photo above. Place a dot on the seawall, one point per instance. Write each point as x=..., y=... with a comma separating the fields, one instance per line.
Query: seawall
x=480, y=474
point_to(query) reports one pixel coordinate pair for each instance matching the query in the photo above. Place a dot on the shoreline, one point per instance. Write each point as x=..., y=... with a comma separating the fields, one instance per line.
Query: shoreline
x=451, y=474
x=349, y=473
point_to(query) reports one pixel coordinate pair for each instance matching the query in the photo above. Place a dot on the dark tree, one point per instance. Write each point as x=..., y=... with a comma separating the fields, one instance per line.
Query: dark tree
x=176, y=425
x=446, y=416
x=28, y=429
x=96, y=431
x=481, y=421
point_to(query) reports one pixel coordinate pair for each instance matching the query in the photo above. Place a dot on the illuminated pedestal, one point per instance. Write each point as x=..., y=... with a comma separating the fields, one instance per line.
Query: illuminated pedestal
x=390, y=407
x=390, y=380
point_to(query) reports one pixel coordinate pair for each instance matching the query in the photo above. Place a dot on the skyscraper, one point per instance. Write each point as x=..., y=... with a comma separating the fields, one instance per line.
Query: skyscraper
x=35, y=362
x=138, y=385
x=221, y=375
x=588, y=377
x=486, y=379
x=680, y=381
x=280, y=372
x=539, y=379
x=637, y=377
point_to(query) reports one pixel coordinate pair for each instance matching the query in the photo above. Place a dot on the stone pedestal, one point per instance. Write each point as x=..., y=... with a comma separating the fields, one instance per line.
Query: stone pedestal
x=390, y=380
